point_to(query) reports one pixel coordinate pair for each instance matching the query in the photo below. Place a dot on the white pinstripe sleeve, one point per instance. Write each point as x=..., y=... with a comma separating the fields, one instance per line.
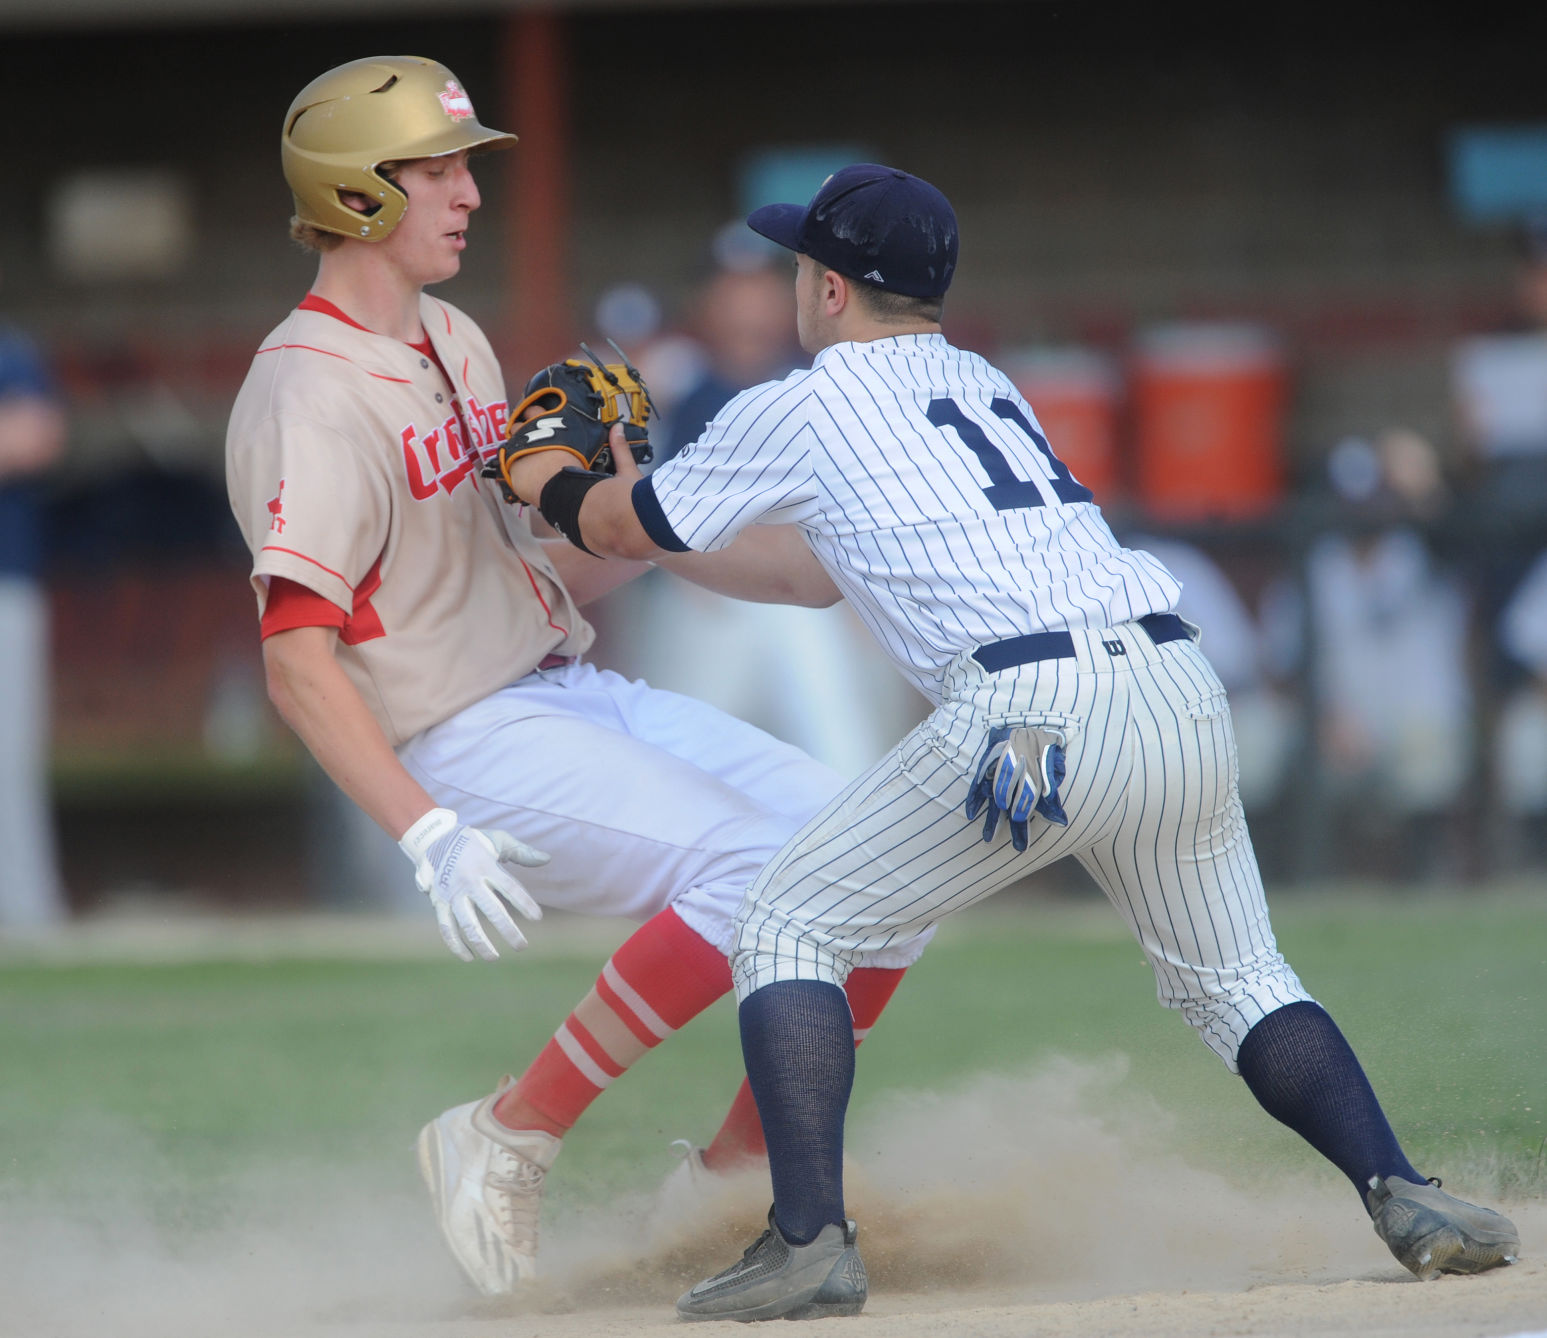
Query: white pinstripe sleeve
x=752, y=465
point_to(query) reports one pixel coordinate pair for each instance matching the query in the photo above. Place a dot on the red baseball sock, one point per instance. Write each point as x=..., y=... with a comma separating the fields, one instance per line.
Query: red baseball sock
x=662, y=976
x=740, y=1139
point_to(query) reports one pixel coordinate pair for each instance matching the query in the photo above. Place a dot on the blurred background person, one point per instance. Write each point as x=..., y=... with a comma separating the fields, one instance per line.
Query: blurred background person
x=743, y=317
x=1388, y=625
x=671, y=361
x=1520, y=729
x=1499, y=383
x=32, y=435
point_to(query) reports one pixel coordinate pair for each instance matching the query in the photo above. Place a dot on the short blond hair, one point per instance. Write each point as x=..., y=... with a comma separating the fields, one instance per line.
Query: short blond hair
x=311, y=238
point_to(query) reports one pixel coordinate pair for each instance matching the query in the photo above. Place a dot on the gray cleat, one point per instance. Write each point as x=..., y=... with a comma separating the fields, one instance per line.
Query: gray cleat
x=1431, y=1232
x=777, y=1280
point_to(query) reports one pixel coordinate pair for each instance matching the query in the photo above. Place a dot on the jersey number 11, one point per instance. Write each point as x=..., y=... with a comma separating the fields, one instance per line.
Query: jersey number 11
x=1005, y=492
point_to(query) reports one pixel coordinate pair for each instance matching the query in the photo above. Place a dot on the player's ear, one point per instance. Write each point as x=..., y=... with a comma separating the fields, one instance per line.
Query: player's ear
x=836, y=292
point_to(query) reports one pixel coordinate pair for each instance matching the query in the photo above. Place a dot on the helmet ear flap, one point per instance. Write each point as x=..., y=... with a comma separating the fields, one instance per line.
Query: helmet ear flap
x=386, y=203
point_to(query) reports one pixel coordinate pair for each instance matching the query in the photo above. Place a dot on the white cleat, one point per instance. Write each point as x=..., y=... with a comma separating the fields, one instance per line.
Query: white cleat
x=486, y=1182
x=689, y=1176
x=683, y=1194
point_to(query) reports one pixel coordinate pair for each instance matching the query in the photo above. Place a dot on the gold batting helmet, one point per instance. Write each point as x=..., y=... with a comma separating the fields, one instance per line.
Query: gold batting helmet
x=344, y=124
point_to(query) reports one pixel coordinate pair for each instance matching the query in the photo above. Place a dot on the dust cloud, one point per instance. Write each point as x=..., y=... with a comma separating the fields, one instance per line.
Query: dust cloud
x=1059, y=1180
x=1056, y=1185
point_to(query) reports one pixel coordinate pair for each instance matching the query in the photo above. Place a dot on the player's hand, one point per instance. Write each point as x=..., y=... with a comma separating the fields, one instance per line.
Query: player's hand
x=1019, y=774
x=461, y=869
x=624, y=465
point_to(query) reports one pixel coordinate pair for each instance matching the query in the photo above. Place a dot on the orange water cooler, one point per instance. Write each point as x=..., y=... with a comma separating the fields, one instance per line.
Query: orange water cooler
x=1208, y=409
x=1076, y=394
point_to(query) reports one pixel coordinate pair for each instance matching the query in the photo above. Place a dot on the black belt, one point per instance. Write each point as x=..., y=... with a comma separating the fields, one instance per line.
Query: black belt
x=1034, y=646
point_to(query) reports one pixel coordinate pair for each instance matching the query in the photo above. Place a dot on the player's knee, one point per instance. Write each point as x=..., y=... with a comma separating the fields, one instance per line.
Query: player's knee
x=1223, y=1020
x=1217, y=1030
x=764, y=964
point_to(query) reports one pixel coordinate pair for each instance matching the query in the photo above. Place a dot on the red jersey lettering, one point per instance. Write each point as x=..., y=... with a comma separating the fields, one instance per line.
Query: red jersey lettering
x=421, y=480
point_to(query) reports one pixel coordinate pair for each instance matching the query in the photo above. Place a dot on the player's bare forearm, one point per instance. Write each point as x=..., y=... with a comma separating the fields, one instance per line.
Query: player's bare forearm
x=767, y=564
x=607, y=520
x=314, y=696
x=588, y=578
x=610, y=525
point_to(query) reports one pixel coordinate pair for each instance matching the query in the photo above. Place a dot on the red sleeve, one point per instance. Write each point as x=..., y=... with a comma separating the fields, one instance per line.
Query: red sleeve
x=291, y=604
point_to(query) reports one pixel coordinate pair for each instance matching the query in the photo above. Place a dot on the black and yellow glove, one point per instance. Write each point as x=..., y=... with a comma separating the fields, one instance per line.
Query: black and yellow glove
x=571, y=406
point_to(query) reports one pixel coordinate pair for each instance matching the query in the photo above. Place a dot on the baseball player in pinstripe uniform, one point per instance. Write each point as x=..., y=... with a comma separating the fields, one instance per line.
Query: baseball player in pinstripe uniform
x=425, y=645
x=1074, y=715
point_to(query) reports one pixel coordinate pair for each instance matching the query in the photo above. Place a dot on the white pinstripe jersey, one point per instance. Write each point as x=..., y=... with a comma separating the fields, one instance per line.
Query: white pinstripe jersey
x=926, y=489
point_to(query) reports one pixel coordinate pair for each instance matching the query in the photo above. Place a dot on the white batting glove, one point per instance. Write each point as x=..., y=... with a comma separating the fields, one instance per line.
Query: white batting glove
x=460, y=869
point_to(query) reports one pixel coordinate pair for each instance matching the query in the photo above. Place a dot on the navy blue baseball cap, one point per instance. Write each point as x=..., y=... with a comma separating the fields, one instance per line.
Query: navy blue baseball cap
x=872, y=223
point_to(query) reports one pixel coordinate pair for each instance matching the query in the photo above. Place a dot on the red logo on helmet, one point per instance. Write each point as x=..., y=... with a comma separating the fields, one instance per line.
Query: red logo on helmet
x=457, y=104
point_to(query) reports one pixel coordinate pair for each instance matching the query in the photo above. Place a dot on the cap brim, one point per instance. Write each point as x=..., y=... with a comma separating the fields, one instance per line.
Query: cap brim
x=779, y=223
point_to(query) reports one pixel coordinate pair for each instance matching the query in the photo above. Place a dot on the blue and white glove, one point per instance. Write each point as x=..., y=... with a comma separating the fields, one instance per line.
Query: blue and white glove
x=461, y=869
x=1018, y=774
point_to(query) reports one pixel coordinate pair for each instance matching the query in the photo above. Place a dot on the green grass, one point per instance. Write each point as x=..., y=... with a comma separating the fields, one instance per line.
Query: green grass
x=194, y=1074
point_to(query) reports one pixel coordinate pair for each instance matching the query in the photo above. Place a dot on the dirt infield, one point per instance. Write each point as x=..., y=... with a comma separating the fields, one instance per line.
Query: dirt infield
x=1091, y=1229
x=1092, y=1236
x=316, y=1281
x=1043, y=1203
x=1381, y=1304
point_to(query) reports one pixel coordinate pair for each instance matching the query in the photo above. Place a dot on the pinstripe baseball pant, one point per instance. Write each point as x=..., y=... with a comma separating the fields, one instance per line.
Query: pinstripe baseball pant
x=1154, y=816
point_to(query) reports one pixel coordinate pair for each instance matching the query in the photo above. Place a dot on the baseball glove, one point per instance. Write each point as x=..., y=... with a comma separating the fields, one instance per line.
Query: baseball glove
x=571, y=406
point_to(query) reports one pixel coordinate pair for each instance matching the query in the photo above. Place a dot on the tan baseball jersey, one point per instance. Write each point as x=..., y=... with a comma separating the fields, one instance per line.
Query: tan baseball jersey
x=353, y=469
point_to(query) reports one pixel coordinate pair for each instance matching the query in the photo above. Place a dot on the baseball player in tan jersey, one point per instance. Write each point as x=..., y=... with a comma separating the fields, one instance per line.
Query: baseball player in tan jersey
x=425, y=647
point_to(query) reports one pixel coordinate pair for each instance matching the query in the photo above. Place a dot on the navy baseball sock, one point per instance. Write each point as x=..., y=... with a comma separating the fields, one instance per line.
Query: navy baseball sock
x=798, y=1040
x=1305, y=1075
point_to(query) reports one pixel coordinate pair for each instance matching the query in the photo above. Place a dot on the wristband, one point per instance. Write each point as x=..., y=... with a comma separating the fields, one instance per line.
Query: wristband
x=432, y=827
x=561, y=499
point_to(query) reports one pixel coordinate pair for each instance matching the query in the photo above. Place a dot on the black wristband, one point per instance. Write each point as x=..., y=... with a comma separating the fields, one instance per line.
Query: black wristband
x=560, y=501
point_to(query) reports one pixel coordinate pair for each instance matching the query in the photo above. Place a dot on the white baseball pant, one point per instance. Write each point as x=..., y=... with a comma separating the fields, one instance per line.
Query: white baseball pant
x=644, y=798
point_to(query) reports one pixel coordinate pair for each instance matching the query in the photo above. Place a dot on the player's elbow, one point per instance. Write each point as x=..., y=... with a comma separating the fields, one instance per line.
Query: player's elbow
x=807, y=595
x=808, y=584
x=819, y=592
x=288, y=672
x=279, y=678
